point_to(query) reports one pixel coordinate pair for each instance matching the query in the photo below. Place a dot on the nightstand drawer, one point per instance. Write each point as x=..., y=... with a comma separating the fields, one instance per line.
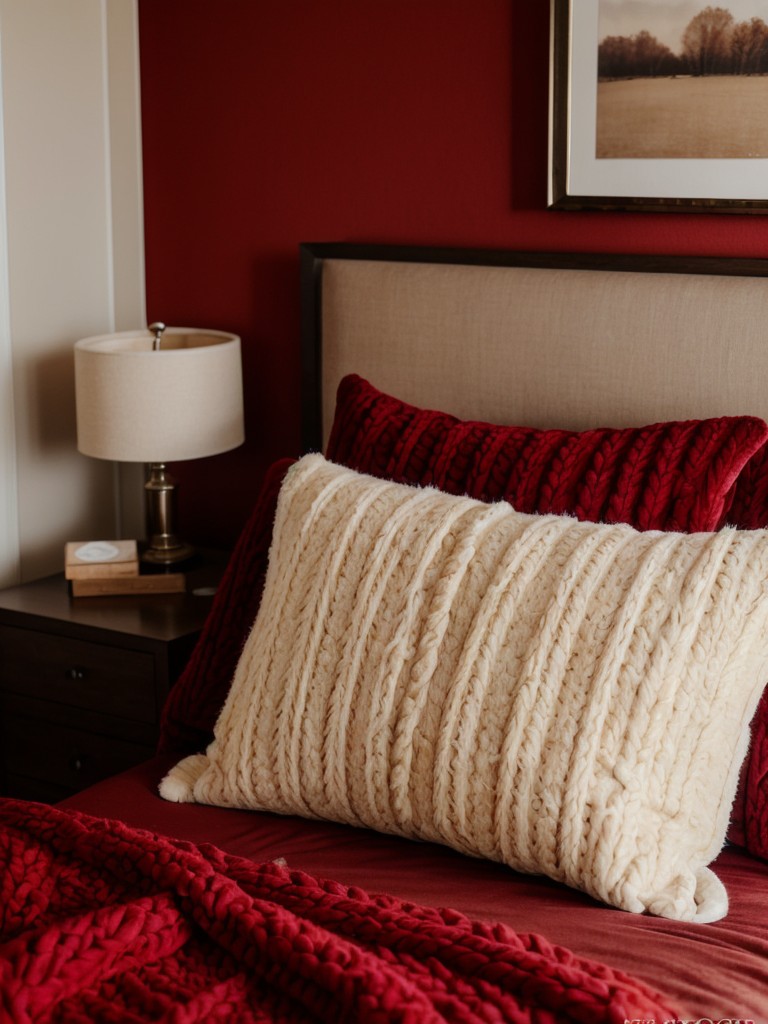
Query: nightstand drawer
x=89, y=675
x=82, y=681
x=66, y=758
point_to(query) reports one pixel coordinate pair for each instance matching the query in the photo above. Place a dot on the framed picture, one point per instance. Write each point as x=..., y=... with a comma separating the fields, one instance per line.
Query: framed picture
x=659, y=105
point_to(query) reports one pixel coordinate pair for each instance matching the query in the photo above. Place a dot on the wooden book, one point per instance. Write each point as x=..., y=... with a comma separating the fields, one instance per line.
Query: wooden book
x=152, y=583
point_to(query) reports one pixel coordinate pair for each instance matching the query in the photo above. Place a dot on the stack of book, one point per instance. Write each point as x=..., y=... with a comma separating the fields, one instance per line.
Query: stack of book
x=102, y=567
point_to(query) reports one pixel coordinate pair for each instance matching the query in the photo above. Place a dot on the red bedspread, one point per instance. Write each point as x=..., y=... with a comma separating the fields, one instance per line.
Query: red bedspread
x=100, y=921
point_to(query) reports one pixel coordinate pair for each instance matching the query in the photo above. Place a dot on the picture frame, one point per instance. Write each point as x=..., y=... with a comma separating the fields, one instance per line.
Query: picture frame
x=580, y=179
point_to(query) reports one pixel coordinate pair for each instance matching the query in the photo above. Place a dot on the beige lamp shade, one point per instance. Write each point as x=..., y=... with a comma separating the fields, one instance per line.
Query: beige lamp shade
x=135, y=404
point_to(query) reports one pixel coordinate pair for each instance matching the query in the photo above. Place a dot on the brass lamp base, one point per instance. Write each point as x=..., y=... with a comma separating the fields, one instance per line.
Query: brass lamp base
x=165, y=548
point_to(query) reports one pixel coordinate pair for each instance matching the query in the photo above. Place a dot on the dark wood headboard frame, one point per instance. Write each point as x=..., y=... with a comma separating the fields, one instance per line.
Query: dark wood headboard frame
x=313, y=255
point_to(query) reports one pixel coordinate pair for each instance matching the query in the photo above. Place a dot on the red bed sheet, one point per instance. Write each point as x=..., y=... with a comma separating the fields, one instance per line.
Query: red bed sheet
x=716, y=972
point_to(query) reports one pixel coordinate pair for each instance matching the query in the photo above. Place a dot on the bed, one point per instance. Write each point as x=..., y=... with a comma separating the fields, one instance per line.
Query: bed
x=636, y=387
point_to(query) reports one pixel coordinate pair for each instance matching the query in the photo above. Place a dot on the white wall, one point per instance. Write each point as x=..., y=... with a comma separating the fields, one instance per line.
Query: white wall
x=71, y=259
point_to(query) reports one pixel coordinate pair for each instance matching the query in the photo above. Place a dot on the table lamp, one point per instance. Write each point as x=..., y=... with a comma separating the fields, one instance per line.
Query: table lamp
x=158, y=396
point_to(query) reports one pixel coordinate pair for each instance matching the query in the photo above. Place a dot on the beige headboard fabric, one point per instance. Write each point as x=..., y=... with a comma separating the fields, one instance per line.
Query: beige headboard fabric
x=547, y=347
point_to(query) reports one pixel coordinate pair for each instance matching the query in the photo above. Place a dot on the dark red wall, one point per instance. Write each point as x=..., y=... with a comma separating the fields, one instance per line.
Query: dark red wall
x=271, y=122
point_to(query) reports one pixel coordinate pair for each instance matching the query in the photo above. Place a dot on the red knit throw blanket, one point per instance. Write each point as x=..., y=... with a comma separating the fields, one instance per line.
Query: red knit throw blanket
x=99, y=921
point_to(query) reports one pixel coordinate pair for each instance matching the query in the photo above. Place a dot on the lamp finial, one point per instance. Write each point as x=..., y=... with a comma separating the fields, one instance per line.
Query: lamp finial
x=157, y=328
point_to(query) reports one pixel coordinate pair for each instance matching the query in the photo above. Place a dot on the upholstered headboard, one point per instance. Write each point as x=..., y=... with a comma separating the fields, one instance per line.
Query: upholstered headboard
x=549, y=340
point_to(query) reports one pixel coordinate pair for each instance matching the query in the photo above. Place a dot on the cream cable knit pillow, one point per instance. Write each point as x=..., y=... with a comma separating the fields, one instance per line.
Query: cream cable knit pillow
x=569, y=698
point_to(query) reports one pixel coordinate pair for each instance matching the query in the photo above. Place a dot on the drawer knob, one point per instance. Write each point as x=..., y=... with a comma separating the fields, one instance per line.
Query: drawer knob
x=77, y=762
x=75, y=673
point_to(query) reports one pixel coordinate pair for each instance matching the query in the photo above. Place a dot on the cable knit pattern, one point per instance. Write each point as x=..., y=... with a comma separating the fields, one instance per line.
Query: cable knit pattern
x=665, y=476
x=688, y=476
x=102, y=922
x=749, y=510
x=568, y=698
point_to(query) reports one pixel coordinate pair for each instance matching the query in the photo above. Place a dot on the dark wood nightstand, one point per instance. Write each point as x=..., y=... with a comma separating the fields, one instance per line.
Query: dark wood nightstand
x=83, y=680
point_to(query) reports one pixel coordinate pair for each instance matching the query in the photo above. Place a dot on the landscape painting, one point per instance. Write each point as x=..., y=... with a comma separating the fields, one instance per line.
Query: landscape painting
x=682, y=79
x=659, y=105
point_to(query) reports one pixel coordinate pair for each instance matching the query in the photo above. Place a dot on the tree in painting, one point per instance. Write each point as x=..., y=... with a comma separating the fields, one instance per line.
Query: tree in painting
x=707, y=42
x=749, y=47
x=639, y=56
x=713, y=43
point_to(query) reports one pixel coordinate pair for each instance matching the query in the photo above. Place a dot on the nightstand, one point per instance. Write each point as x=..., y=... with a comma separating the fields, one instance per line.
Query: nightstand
x=83, y=680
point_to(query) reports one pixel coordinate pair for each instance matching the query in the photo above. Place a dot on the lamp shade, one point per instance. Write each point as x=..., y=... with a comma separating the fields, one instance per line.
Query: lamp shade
x=136, y=404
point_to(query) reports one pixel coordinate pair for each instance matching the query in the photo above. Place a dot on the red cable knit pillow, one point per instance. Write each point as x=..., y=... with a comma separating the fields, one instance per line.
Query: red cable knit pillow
x=667, y=476
x=750, y=814
x=749, y=510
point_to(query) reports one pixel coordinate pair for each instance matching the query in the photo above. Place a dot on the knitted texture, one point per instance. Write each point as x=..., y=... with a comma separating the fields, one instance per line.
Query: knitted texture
x=102, y=922
x=749, y=510
x=684, y=476
x=749, y=820
x=568, y=698
x=666, y=476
